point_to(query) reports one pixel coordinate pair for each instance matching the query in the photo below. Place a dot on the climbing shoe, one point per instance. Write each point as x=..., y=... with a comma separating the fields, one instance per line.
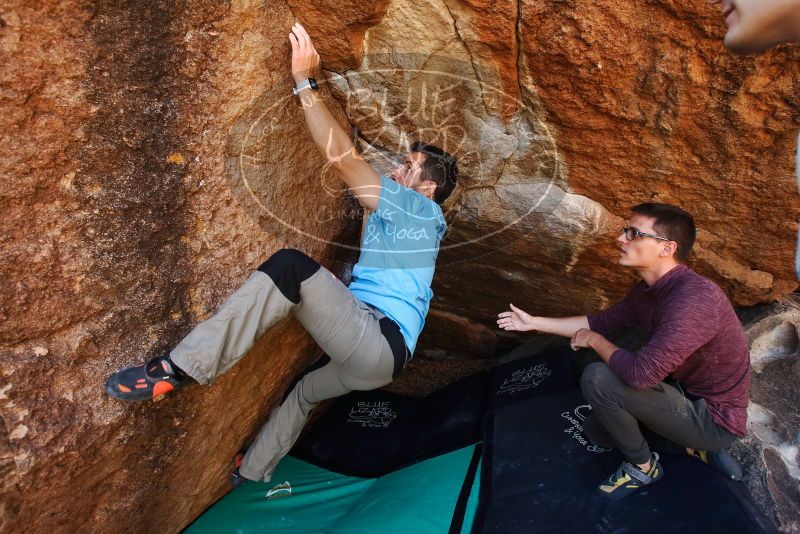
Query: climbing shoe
x=235, y=478
x=629, y=478
x=146, y=381
x=723, y=462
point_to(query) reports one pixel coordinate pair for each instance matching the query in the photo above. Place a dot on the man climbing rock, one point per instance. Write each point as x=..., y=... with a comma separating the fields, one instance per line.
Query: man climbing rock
x=688, y=383
x=369, y=329
x=755, y=26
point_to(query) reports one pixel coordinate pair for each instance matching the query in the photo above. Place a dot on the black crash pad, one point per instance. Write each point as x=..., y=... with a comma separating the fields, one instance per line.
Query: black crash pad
x=372, y=433
x=531, y=377
x=540, y=472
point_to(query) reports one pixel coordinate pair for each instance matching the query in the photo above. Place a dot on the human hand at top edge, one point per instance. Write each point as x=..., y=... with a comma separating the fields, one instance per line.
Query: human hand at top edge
x=305, y=59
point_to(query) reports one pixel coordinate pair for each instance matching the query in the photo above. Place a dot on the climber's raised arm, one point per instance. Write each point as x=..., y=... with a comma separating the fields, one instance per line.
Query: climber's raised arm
x=330, y=138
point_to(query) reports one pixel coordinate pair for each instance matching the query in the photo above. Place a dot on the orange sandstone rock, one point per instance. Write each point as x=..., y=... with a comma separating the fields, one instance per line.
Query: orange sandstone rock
x=152, y=157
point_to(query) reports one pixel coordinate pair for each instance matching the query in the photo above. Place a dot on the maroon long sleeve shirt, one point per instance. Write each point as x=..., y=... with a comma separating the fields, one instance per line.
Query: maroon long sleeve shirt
x=693, y=335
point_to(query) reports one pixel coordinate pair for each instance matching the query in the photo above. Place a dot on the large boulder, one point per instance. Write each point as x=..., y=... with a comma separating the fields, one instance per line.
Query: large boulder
x=152, y=157
x=564, y=116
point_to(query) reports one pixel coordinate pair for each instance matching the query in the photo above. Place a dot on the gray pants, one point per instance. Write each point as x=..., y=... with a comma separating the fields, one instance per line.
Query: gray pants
x=663, y=409
x=344, y=327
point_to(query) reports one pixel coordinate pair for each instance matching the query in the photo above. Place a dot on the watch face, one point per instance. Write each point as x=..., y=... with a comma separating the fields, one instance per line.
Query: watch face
x=313, y=83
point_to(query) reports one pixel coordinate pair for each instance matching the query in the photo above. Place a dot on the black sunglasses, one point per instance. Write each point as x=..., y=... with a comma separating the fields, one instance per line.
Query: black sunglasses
x=632, y=233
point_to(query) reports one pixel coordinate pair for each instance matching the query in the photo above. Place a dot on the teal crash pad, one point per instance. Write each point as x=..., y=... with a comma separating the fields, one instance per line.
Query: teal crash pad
x=304, y=498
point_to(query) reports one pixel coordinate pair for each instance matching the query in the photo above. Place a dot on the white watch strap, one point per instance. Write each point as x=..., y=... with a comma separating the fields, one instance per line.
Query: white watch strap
x=305, y=84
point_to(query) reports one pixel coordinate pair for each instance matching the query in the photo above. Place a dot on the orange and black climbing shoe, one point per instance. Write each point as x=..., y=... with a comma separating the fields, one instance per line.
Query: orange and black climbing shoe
x=146, y=381
x=235, y=478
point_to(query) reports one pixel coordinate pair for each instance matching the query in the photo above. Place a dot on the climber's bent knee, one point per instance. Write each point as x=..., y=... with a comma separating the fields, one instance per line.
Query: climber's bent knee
x=289, y=268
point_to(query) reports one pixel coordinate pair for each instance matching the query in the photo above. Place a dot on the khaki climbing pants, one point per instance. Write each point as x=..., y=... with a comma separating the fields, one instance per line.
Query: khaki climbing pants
x=365, y=347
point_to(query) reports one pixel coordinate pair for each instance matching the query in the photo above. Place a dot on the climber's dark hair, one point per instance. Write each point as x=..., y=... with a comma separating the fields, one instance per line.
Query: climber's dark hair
x=438, y=167
x=673, y=223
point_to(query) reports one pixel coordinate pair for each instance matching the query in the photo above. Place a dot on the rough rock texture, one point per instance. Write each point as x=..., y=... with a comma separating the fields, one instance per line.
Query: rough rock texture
x=136, y=152
x=564, y=115
x=151, y=158
x=771, y=452
x=649, y=106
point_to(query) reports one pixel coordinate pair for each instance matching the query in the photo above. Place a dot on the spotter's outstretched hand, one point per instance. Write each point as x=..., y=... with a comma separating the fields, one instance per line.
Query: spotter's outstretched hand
x=514, y=320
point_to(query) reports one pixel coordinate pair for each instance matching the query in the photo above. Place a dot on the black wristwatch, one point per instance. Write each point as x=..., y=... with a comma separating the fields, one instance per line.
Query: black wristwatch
x=308, y=82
